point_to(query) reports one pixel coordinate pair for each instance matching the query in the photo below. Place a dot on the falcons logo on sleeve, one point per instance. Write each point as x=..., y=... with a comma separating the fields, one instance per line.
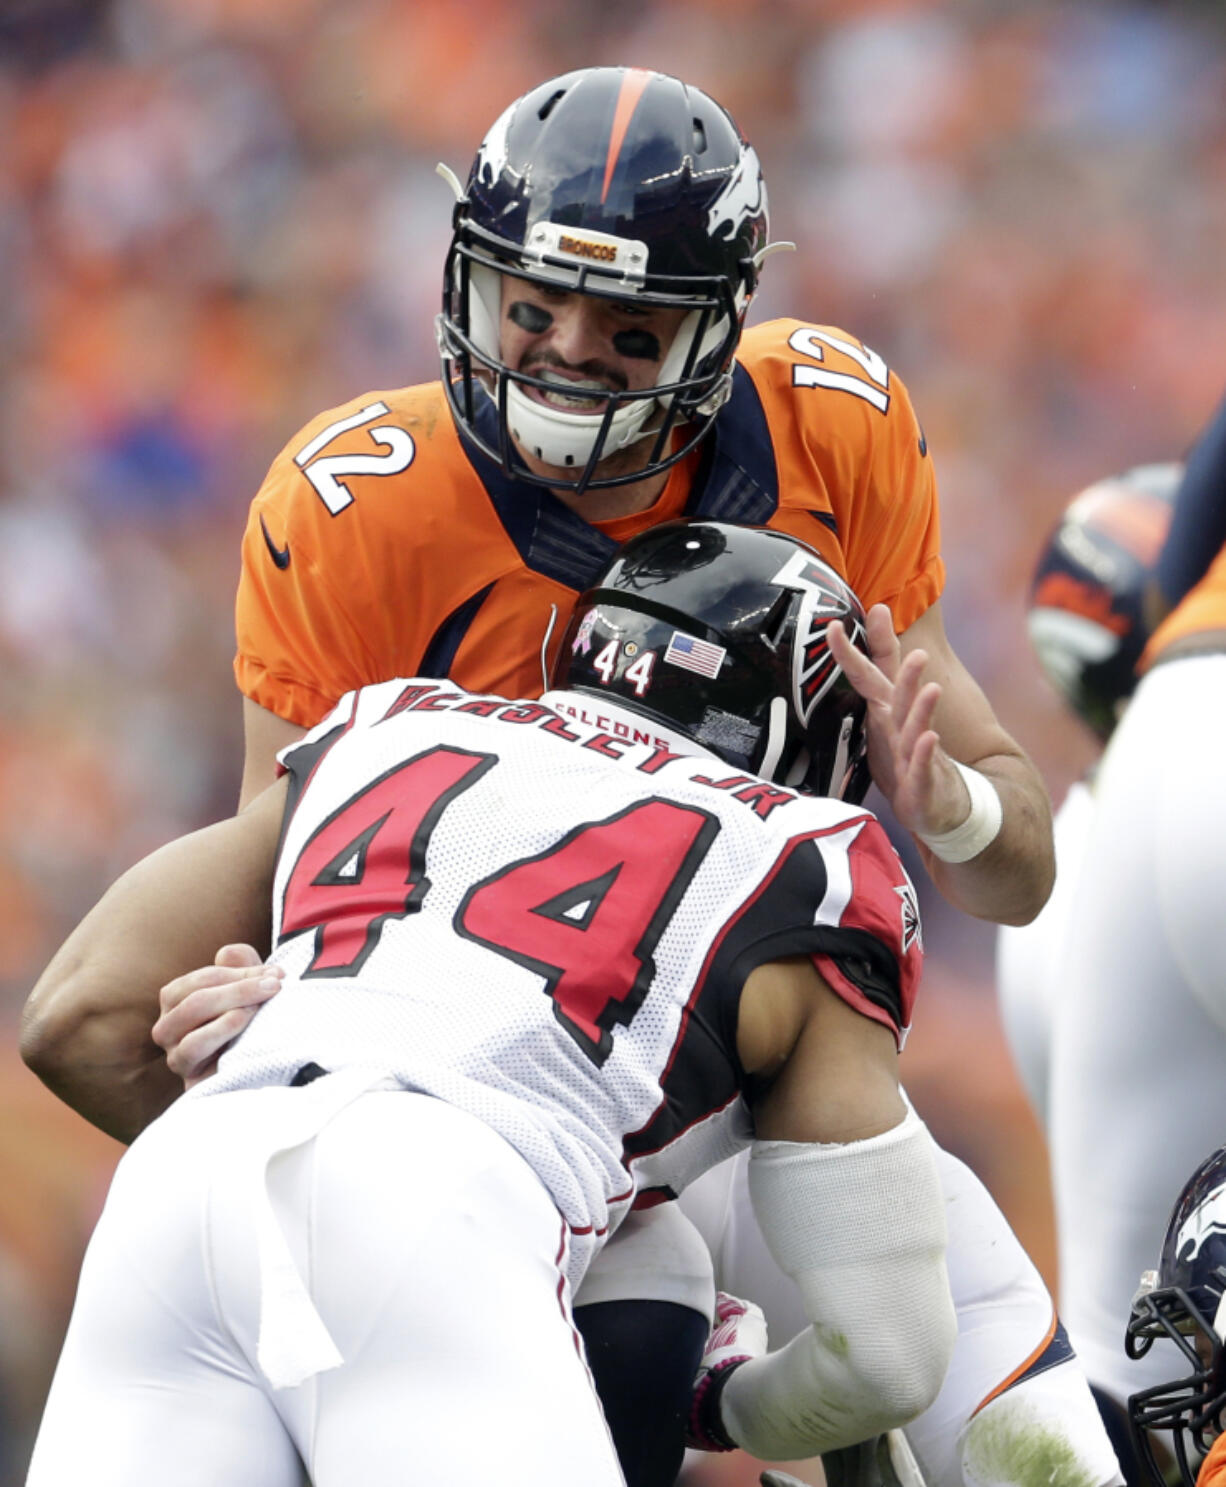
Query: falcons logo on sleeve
x=824, y=597
x=911, y=932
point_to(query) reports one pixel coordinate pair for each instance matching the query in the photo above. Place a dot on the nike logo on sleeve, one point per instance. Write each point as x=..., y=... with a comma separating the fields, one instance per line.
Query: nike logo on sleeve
x=279, y=555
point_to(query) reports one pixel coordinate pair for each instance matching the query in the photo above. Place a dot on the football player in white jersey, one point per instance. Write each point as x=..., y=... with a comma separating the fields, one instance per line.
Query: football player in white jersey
x=1014, y=1399
x=543, y=962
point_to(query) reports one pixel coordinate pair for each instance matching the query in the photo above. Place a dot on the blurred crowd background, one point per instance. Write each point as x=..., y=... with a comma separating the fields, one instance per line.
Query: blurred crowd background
x=218, y=218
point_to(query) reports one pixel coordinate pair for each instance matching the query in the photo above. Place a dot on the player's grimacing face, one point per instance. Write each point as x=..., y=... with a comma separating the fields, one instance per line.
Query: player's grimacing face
x=584, y=344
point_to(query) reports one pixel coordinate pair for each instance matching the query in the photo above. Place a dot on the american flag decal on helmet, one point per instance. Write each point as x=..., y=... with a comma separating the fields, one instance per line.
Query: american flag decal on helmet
x=824, y=597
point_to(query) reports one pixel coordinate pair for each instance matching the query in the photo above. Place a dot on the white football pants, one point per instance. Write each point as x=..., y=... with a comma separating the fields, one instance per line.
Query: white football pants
x=1138, y=1078
x=420, y=1244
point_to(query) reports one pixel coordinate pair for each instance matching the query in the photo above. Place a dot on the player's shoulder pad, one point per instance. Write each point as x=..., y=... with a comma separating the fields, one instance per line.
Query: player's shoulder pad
x=410, y=408
x=824, y=362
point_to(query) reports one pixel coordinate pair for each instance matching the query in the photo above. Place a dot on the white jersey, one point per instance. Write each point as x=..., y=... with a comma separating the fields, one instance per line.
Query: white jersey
x=547, y=922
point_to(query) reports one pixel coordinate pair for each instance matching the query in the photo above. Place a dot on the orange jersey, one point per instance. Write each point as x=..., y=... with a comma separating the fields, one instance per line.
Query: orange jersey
x=1201, y=608
x=1213, y=1468
x=381, y=544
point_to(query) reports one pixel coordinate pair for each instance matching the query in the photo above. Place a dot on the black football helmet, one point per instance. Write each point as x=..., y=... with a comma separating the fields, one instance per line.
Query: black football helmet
x=1183, y=1301
x=617, y=182
x=718, y=631
x=1087, y=617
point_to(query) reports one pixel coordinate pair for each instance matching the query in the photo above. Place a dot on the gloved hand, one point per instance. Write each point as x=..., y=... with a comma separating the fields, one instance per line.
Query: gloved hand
x=737, y=1335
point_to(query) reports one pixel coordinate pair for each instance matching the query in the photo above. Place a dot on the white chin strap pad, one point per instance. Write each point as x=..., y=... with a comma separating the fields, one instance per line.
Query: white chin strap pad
x=860, y=1228
x=564, y=438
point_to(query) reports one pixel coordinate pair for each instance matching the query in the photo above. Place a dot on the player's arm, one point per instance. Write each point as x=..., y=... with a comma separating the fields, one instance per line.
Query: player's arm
x=86, y=1027
x=986, y=838
x=844, y=1185
x=892, y=529
x=264, y=736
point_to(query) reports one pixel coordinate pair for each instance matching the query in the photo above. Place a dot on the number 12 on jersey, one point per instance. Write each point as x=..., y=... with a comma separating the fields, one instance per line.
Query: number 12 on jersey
x=585, y=914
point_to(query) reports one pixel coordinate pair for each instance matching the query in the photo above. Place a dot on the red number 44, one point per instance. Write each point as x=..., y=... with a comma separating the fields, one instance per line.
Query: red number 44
x=585, y=915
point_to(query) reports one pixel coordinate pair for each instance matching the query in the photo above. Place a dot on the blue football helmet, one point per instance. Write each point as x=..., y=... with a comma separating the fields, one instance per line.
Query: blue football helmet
x=616, y=182
x=1183, y=1301
x=1087, y=616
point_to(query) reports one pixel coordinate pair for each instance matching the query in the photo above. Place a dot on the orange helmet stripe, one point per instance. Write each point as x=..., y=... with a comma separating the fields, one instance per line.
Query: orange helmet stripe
x=633, y=86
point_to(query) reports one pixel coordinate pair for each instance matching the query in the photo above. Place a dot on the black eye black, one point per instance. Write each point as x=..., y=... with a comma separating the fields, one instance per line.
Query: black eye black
x=535, y=319
x=643, y=345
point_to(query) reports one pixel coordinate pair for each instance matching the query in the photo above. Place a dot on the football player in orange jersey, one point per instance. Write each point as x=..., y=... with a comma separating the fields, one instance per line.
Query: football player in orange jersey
x=1089, y=625
x=596, y=381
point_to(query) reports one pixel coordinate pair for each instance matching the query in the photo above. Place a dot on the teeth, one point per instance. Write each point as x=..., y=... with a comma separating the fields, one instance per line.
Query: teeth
x=573, y=397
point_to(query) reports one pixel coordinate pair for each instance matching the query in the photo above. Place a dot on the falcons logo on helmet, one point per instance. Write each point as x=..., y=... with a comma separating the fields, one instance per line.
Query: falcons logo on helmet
x=824, y=597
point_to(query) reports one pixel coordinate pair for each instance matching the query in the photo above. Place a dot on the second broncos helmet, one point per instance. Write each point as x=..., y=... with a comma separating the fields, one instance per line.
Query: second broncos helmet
x=1086, y=619
x=718, y=631
x=1184, y=1301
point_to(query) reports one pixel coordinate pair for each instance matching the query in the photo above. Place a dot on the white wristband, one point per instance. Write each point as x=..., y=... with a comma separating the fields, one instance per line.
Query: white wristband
x=980, y=828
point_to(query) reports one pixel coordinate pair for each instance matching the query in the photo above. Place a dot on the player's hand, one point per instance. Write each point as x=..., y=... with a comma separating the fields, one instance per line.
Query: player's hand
x=204, y=1011
x=905, y=757
x=738, y=1334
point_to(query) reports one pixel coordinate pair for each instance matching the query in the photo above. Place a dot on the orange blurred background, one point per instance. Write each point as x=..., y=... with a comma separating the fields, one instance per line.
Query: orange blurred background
x=217, y=219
